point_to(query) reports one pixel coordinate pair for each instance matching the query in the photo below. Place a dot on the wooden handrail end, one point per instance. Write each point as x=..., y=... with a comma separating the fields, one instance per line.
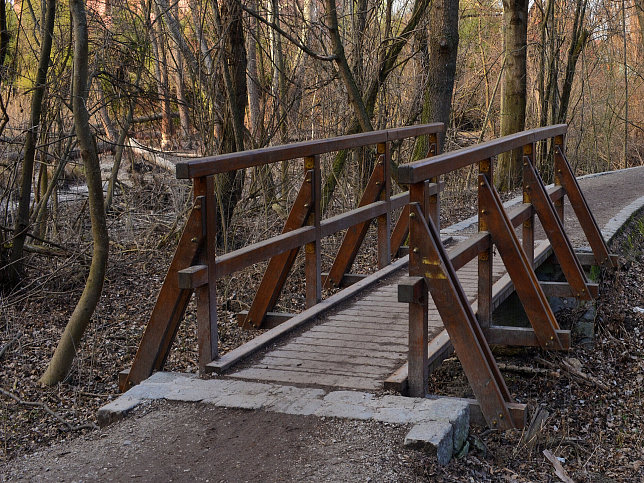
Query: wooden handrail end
x=412, y=290
x=193, y=277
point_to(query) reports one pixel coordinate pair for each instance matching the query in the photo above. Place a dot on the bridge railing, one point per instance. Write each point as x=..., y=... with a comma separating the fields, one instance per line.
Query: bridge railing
x=196, y=267
x=433, y=269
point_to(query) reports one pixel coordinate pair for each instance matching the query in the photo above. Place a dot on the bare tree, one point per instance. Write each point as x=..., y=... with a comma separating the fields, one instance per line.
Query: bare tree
x=61, y=361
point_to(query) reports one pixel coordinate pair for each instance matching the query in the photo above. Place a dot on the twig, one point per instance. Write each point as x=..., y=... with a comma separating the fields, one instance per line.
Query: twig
x=9, y=344
x=588, y=379
x=559, y=469
x=44, y=407
x=526, y=369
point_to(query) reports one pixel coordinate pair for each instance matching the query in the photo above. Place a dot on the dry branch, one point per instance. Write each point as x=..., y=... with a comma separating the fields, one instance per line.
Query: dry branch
x=48, y=410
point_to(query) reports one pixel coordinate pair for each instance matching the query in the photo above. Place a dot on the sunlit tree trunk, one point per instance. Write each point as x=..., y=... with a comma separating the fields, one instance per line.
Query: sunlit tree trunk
x=21, y=227
x=63, y=357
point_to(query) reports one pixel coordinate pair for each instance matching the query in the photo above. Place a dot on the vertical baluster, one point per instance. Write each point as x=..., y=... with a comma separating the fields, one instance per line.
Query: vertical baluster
x=418, y=373
x=528, y=225
x=559, y=204
x=434, y=208
x=206, y=295
x=384, y=221
x=485, y=257
x=312, y=255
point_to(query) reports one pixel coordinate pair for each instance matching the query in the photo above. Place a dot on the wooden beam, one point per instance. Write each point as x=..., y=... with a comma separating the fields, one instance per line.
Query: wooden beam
x=521, y=337
x=587, y=259
x=271, y=319
x=193, y=277
x=563, y=289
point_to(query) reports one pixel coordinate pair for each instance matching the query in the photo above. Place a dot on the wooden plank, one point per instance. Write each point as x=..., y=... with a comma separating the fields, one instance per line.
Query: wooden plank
x=258, y=252
x=347, y=342
x=484, y=275
x=310, y=379
x=257, y=157
x=352, y=218
x=327, y=367
x=287, y=353
x=192, y=277
x=378, y=331
x=460, y=158
x=313, y=250
x=563, y=289
x=271, y=319
x=438, y=349
x=587, y=259
x=521, y=336
x=272, y=335
x=369, y=337
x=462, y=253
x=340, y=350
x=381, y=318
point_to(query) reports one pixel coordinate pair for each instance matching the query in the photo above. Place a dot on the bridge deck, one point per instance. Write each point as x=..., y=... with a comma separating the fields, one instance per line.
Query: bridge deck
x=360, y=344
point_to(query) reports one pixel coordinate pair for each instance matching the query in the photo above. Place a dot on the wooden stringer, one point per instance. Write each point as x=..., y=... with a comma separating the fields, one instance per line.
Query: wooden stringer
x=578, y=202
x=520, y=270
x=553, y=227
x=280, y=265
x=460, y=322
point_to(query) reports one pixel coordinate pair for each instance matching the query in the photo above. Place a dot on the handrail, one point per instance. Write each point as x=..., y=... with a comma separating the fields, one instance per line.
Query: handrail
x=450, y=161
x=222, y=163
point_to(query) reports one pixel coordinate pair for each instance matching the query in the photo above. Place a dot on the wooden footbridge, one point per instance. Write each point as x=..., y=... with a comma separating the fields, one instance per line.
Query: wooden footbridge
x=389, y=329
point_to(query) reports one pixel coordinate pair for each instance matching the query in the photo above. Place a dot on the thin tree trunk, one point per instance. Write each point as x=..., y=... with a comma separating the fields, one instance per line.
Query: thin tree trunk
x=63, y=357
x=15, y=268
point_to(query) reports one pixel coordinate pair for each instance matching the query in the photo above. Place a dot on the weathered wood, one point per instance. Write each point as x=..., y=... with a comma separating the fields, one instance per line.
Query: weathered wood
x=347, y=368
x=520, y=270
x=384, y=221
x=580, y=207
x=553, y=227
x=310, y=379
x=521, y=337
x=313, y=250
x=257, y=157
x=170, y=305
x=288, y=353
x=352, y=218
x=283, y=257
x=469, y=342
x=271, y=319
x=587, y=259
x=192, y=277
x=527, y=239
x=446, y=162
x=355, y=235
x=486, y=255
x=563, y=289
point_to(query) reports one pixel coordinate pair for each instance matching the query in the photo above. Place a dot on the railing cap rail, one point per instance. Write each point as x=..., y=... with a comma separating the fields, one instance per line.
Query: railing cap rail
x=443, y=163
x=222, y=163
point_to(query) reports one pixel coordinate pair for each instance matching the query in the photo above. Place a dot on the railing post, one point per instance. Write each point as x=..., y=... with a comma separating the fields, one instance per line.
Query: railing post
x=485, y=257
x=312, y=255
x=418, y=373
x=559, y=204
x=384, y=221
x=528, y=225
x=434, y=200
x=207, y=335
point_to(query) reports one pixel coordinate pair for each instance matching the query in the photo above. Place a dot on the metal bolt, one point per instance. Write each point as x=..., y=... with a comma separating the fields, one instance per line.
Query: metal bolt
x=194, y=239
x=415, y=250
x=500, y=416
x=412, y=215
x=494, y=422
x=552, y=337
x=483, y=212
x=306, y=205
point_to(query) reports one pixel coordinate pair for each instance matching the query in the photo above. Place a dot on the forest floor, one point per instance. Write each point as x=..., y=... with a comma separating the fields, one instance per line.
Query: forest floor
x=596, y=431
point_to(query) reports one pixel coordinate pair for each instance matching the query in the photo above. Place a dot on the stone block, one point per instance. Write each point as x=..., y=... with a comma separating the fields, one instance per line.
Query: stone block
x=434, y=437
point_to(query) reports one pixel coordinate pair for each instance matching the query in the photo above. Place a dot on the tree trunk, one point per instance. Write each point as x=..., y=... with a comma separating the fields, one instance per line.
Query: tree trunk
x=63, y=357
x=443, y=47
x=14, y=270
x=229, y=185
x=163, y=86
x=513, y=97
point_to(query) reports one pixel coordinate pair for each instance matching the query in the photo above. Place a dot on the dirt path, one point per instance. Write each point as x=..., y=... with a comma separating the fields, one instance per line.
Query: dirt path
x=187, y=442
